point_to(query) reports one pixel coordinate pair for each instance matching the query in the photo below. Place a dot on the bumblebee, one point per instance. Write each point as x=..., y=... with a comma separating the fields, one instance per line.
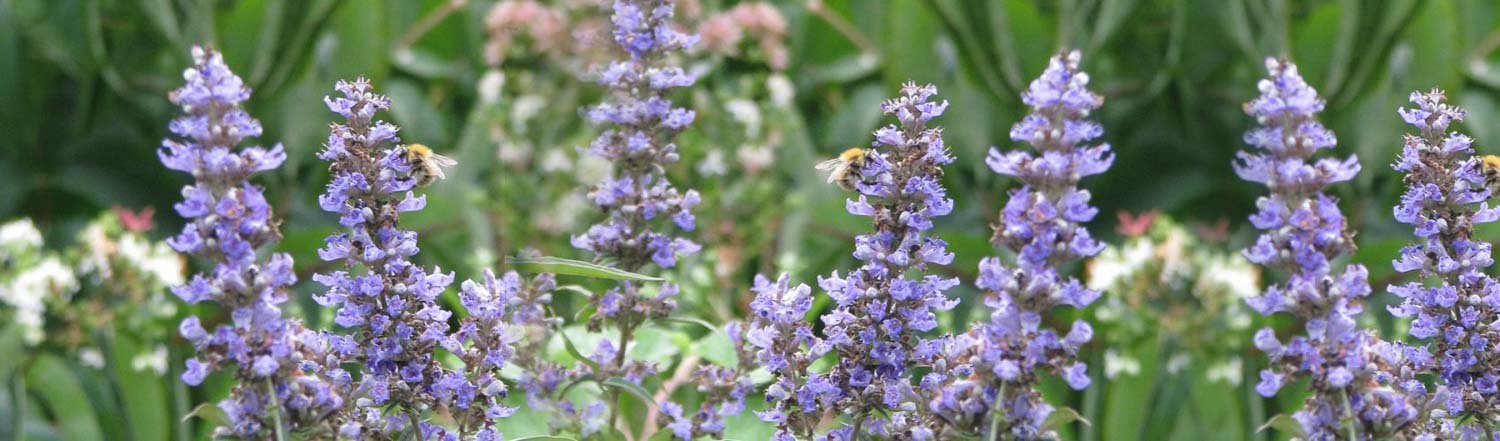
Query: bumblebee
x=426, y=166
x=1490, y=165
x=845, y=170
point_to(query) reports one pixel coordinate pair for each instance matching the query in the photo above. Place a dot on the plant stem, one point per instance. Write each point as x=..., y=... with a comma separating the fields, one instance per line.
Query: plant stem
x=416, y=425
x=275, y=410
x=425, y=24
x=614, y=396
x=843, y=27
x=1353, y=419
x=997, y=415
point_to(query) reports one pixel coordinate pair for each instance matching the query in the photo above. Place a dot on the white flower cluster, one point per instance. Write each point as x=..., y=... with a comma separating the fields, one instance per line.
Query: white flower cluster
x=33, y=278
x=29, y=278
x=1165, y=281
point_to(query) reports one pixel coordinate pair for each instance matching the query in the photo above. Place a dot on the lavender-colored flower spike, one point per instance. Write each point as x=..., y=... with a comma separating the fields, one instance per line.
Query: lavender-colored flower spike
x=1445, y=198
x=228, y=220
x=1350, y=369
x=392, y=303
x=641, y=124
x=781, y=339
x=641, y=205
x=883, y=307
x=998, y=362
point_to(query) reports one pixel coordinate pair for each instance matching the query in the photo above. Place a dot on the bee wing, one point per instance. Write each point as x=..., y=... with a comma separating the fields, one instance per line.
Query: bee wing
x=834, y=168
x=443, y=161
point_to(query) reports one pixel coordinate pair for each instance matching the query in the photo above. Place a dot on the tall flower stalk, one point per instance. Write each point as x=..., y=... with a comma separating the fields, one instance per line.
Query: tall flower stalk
x=1360, y=386
x=883, y=307
x=1454, y=302
x=392, y=304
x=989, y=376
x=287, y=377
x=641, y=125
x=780, y=338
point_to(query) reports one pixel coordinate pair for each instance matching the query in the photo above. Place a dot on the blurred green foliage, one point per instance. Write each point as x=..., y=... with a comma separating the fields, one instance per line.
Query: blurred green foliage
x=83, y=106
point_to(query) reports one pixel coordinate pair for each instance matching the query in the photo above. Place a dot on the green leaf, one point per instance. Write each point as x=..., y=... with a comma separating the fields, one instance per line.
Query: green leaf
x=543, y=438
x=576, y=289
x=420, y=120
x=52, y=380
x=846, y=69
x=144, y=398
x=208, y=412
x=161, y=15
x=573, y=350
x=639, y=392
x=1124, y=414
x=1111, y=14
x=1061, y=417
x=1310, y=40
x=427, y=65
x=657, y=345
x=1283, y=424
x=570, y=267
x=12, y=395
x=717, y=348
x=11, y=343
x=690, y=321
x=55, y=28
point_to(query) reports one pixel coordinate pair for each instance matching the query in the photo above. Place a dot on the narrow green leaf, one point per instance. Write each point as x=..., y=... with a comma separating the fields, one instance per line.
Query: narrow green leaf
x=563, y=392
x=161, y=15
x=427, y=65
x=573, y=350
x=976, y=62
x=419, y=117
x=270, y=33
x=690, y=321
x=208, y=412
x=576, y=289
x=10, y=343
x=1283, y=424
x=544, y=438
x=848, y=68
x=1112, y=13
x=12, y=402
x=1063, y=416
x=53, y=382
x=570, y=267
x=634, y=389
x=144, y=399
x=1237, y=24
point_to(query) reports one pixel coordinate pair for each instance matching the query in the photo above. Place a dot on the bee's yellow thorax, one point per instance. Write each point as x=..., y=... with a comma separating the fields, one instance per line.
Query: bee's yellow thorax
x=1491, y=162
x=418, y=150
x=852, y=154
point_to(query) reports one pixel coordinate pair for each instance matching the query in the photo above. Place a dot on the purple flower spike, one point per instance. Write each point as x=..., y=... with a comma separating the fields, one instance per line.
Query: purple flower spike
x=640, y=125
x=391, y=303
x=1456, y=311
x=885, y=306
x=1303, y=232
x=281, y=367
x=998, y=362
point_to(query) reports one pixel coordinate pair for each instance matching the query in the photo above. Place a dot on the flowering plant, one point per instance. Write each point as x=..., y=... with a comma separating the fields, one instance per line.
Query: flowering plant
x=1360, y=385
x=993, y=370
x=1444, y=201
